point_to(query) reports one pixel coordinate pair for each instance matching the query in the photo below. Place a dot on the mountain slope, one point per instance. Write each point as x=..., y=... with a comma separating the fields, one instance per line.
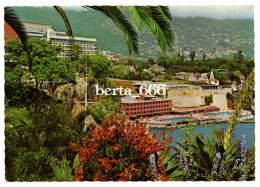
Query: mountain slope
x=214, y=37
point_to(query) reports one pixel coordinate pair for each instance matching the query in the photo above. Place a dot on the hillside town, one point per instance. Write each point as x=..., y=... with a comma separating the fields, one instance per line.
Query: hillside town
x=180, y=98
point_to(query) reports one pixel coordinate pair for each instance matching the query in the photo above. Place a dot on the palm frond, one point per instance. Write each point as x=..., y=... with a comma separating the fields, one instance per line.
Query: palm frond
x=65, y=19
x=133, y=12
x=166, y=12
x=13, y=20
x=121, y=21
x=161, y=17
x=157, y=20
x=147, y=19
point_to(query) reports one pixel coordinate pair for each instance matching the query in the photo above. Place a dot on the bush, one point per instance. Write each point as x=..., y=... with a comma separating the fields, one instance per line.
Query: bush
x=119, y=152
x=30, y=139
x=205, y=159
x=209, y=99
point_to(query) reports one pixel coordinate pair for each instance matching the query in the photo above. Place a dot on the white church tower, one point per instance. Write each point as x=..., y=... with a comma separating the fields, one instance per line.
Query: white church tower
x=212, y=79
x=211, y=75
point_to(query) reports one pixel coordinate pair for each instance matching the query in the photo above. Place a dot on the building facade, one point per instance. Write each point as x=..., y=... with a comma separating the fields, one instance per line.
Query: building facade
x=46, y=32
x=10, y=34
x=145, y=106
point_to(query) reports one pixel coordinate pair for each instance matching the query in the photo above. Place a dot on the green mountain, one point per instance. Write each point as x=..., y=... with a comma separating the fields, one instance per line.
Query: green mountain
x=204, y=35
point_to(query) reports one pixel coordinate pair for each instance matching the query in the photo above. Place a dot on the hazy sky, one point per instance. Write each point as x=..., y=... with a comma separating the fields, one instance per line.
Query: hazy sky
x=218, y=12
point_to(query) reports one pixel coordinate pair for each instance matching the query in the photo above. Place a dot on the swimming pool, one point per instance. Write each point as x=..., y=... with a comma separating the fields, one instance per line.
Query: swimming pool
x=218, y=114
x=178, y=119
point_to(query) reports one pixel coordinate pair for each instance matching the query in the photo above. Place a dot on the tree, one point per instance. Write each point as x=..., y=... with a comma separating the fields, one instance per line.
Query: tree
x=151, y=61
x=239, y=57
x=192, y=55
x=164, y=61
x=12, y=19
x=99, y=65
x=119, y=72
x=146, y=76
x=179, y=54
x=80, y=64
x=76, y=52
x=203, y=57
x=46, y=67
x=237, y=74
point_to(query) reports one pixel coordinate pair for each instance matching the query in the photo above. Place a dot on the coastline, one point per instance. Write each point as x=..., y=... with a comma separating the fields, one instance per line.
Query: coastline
x=195, y=122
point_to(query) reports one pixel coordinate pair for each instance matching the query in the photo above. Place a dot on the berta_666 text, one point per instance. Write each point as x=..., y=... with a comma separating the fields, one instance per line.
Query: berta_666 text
x=143, y=90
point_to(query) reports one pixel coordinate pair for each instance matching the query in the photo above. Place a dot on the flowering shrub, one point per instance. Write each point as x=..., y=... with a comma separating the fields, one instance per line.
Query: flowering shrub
x=200, y=159
x=120, y=151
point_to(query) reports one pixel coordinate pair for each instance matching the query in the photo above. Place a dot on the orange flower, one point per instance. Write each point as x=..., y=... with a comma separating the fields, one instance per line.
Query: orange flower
x=119, y=151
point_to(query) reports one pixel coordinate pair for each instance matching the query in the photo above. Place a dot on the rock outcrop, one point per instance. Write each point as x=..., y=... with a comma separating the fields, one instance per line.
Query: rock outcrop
x=71, y=91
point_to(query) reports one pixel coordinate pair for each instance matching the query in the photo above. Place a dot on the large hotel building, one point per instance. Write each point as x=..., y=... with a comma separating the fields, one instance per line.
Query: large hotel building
x=46, y=32
x=145, y=105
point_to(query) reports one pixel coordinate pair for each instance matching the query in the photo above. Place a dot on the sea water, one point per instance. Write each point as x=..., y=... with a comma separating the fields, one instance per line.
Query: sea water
x=242, y=128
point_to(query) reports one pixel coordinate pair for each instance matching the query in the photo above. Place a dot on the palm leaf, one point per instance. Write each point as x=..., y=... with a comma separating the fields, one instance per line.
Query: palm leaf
x=13, y=20
x=67, y=24
x=161, y=16
x=133, y=12
x=146, y=15
x=116, y=15
x=166, y=12
x=65, y=19
x=157, y=20
x=204, y=153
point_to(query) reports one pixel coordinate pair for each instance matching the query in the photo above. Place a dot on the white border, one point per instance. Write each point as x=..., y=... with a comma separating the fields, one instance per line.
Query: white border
x=121, y=2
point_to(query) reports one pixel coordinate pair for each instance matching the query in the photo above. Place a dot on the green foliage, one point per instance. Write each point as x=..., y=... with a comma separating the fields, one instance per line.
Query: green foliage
x=157, y=20
x=76, y=52
x=146, y=76
x=106, y=108
x=245, y=94
x=46, y=67
x=30, y=139
x=119, y=72
x=167, y=77
x=205, y=158
x=13, y=21
x=192, y=55
x=164, y=61
x=209, y=99
x=62, y=170
x=99, y=65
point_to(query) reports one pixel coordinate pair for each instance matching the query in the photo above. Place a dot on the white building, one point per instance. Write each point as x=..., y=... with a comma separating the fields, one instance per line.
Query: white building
x=192, y=77
x=212, y=79
x=108, y=54
x=45, y=31
x=36, y=30
x=156, y=68
x=204, y=77
x=131, y=68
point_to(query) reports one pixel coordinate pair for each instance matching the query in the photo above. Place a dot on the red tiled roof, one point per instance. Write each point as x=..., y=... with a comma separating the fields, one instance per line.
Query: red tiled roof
x=114, y=57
